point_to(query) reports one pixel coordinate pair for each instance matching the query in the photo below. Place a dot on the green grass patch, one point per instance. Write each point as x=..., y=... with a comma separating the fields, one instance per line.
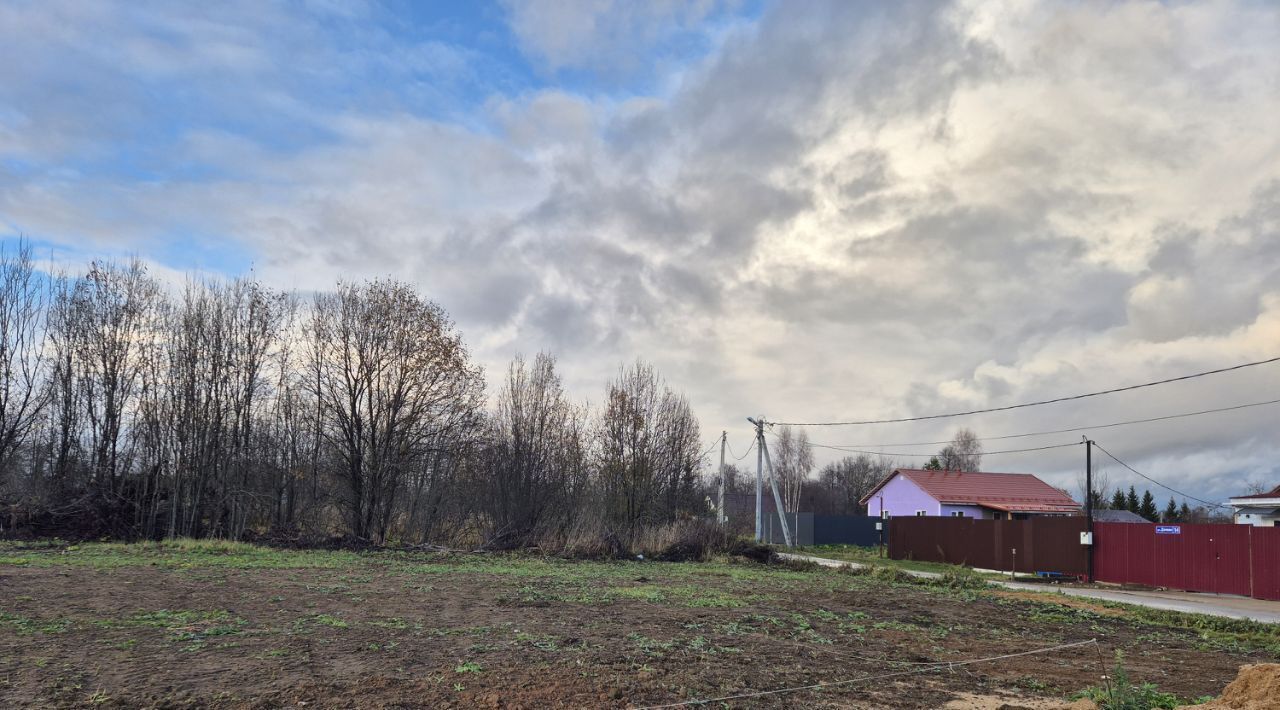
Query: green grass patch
x=330, y=620
x=26, y=625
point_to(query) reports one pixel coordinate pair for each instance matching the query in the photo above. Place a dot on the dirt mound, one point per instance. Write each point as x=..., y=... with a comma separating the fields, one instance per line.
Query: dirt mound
x=1256, y=687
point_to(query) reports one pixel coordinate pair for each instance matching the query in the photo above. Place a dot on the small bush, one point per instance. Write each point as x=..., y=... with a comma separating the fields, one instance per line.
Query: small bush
x=893, y=575
x=693, y=540
x=960, y=578
x=751, y=550
x=1120, y=693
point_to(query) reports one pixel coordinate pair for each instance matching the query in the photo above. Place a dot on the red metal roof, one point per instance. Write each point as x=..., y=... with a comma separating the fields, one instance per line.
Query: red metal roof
x=1029, y=507
x=1273, y=493
x=1013, y=492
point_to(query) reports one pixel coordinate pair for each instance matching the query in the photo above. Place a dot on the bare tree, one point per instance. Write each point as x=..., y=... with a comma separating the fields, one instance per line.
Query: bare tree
x=646, y=450
x=394, y=385
x=1255, y=486
x=535, y=458
x=111, y=319
x=964, y=453
x=792, y=462
x=846, y=481
x=22, y=354
x=1101, y=484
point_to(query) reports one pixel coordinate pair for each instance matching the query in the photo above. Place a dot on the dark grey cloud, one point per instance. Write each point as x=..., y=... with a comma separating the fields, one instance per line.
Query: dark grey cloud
x=849, y=210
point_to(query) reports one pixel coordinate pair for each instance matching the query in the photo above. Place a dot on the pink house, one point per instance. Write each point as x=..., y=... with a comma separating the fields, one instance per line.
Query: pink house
x=992, y=496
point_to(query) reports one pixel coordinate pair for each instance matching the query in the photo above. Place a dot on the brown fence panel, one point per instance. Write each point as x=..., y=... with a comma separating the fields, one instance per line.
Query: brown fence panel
x=1036, y=545
x=1264, y=562
x=1124, y=553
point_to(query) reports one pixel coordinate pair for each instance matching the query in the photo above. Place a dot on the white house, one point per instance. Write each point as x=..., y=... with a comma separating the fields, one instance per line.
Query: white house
x=1258, y=510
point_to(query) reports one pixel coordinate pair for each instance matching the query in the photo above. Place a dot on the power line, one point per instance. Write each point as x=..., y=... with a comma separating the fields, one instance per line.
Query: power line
x=921, y=455
x=744, y=455
x=1073, y=429
x=1149, y=478
x=703, y=455
x=1040, y=402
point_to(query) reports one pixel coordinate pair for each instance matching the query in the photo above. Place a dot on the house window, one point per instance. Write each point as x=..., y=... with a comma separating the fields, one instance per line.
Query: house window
x=957, y=513
x=921, y=513
x=997, y=516
x=884, y=514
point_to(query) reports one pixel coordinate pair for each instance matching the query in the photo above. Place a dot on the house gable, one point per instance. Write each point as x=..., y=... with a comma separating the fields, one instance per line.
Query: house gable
x=901, y=496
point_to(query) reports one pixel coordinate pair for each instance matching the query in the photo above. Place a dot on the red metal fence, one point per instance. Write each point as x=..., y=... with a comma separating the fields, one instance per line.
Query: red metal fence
x=1224, y=559
x=1036, y=545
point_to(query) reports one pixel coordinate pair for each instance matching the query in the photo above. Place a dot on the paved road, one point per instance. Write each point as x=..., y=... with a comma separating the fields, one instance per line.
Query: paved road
x=1224, y=605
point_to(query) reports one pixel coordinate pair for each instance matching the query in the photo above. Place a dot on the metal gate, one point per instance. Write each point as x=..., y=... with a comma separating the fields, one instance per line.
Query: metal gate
x=1197, y=558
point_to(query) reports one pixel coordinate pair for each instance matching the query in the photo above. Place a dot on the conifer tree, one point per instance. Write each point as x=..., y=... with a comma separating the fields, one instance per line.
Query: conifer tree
x=1148, y=508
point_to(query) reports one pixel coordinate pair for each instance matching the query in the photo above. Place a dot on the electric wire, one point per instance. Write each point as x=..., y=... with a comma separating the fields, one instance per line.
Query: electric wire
x=912, y=454
x=931, y=454
x=744, y=455
x=940, y=665
x=1072, y=429
x=1158, y=483
x=703, y=455
x=1039, y=402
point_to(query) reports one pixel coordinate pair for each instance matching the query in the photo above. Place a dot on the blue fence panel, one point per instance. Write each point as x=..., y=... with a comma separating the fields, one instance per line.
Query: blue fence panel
x=849, y=530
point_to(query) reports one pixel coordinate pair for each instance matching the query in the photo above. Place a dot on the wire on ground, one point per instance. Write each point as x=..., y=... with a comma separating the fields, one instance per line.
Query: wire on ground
x=940, y=665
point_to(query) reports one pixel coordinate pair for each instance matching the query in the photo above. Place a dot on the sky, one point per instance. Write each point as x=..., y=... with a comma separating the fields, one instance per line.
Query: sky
x=816, y=211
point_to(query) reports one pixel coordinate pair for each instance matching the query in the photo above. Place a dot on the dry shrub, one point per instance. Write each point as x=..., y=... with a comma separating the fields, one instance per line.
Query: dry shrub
x=694, y=540
x=752, y=550
x=800, y=565
x=883, y=573
x=587, y=539
x=678, y=541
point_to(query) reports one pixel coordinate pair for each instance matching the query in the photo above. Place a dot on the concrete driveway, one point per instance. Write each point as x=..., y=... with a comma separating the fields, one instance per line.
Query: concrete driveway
x=1224, y=605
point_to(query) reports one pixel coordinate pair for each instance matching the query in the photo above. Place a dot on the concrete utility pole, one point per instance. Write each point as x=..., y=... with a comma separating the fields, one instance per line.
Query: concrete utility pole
x=1088, y=507
x=759, y=424
x=777, y=499
x=724, y=438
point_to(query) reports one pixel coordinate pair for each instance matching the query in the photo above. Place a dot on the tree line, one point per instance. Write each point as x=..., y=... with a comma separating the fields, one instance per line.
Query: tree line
x=225, y=408
x=1146, y=507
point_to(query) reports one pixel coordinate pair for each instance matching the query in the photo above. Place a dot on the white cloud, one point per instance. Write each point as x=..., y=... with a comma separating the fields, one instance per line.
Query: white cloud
x=852, y=211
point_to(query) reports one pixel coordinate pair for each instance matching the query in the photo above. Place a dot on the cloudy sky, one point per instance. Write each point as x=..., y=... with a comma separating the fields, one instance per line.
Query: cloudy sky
x=812, y=211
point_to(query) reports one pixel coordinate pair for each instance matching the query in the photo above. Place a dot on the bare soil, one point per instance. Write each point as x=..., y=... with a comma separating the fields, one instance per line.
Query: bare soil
x=164, y=630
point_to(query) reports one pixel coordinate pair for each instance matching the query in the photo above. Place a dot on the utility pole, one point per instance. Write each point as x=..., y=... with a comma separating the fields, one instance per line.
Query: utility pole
x=724, y=438
x=1088, y=506
x=777, y=499
x=759, y=477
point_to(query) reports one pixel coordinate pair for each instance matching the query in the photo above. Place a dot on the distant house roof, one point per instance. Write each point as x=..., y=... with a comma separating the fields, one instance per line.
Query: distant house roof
x=1273, y=493
x=1009, y=492
x=1107, y=515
